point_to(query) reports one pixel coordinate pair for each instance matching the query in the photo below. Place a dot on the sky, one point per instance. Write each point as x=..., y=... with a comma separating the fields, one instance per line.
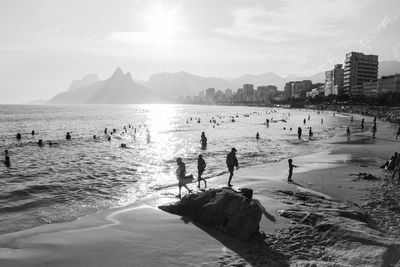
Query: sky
x=46, y=44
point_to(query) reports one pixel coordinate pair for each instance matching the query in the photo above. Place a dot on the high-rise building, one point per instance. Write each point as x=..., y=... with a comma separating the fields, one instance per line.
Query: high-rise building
x=389, y=83
x=210, y=94
x=248, y=92
x=359, y=68
x=334, y=80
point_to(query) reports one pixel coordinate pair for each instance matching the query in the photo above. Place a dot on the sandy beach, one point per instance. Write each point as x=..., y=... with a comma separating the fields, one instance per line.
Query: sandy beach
x=143, y=235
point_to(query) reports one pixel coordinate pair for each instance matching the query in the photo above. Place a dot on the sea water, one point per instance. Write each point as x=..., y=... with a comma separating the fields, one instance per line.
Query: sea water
x=73, y=178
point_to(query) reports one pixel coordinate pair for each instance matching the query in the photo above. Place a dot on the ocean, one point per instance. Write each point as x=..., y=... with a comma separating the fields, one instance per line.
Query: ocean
x=70, y=179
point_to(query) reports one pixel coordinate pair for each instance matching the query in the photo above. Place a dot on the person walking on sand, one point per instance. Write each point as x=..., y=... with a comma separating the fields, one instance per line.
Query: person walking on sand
x=257, y=136
x=299, y=131
x=362, y=125
x=310, y=133
x=180, y=175
x=373, y=130
x=348, y=133
x=201, y=166
x=291, y=166
x=231, y=163
x=398, y=133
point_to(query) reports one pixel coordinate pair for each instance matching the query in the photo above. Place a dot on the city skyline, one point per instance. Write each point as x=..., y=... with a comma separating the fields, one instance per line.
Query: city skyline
x=64, y=40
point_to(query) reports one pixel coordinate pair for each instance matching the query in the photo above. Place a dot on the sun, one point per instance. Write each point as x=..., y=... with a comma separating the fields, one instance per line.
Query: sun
x=163, y=24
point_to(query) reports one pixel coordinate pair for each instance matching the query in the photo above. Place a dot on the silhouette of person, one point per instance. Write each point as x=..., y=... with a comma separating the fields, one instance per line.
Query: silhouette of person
x=373, y=130
x=33, y=132
x=18, y=136
x=105, y=130
x=201, y=166
x=362, y=124
x=231, y=162
x=310, y=133
x=40, y=142
x=267, y=122
x=203, y=140
x=291, y=166
x=7, y=159
x=180, y=175
x=148, y=135
x=351, y=119
x=322, y=121
x=304, y=121
x=68, y=136
x=109, y=138
x=94, y=137
x=299, y=131
x=348, y=133
x=257, y=136
x=309, y=117
x=398, y=133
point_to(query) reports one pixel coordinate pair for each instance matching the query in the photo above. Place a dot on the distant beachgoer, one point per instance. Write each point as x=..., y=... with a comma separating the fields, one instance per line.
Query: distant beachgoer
x=33, y=132
x=290, y=128
x=231, y=162
x=7, y=159
x=322, y=121
x=94, y=137
x=40, y=142
x=18, y=136
x=375, y=119
x=50, y=143
x=351, y=119
x=68, y=136
x=310, y=133
x=123, y=145
x=348, y=133
x=180, y=175
x=309, y=117
x=203, y=140
x=105, y=130
x=284, y=128
x=201, y=166
x=291, y=166
x=373, y=130
x=148, y=136
x=299, y=131
x=304, y=121
x=109, y=138
x=362, y=124
x=398, y=133
x=267, y=122
x=257, y=136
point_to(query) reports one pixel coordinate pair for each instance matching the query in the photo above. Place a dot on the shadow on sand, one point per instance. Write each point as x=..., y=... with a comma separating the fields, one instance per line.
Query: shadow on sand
x=255, y=252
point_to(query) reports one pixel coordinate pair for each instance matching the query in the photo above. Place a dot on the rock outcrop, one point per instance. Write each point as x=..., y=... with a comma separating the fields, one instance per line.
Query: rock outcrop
x=328, y=232
x=225, y=209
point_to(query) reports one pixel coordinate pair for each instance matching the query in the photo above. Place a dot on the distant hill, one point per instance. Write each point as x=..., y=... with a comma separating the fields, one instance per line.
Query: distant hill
x=183, y=83
x=77, y=96
x=85, y=81
x=118, y=89
x=121, y=89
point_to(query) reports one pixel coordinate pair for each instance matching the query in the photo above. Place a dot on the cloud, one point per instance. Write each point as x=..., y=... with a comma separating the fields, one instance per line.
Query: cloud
x=292, y=20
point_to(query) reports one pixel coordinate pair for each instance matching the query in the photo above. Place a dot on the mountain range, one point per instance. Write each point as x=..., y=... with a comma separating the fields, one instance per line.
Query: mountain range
x=121, y=88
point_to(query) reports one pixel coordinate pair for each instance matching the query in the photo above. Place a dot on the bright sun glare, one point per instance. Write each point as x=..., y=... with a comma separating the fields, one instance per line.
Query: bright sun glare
x=163, y=24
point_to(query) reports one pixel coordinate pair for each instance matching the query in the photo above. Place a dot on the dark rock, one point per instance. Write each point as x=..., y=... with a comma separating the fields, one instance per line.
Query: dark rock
x=224, y=209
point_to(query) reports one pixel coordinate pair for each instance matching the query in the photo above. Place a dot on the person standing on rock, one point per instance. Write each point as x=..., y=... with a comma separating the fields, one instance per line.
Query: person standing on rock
x=180, y=175
x=201, y=166
x=231, y=163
